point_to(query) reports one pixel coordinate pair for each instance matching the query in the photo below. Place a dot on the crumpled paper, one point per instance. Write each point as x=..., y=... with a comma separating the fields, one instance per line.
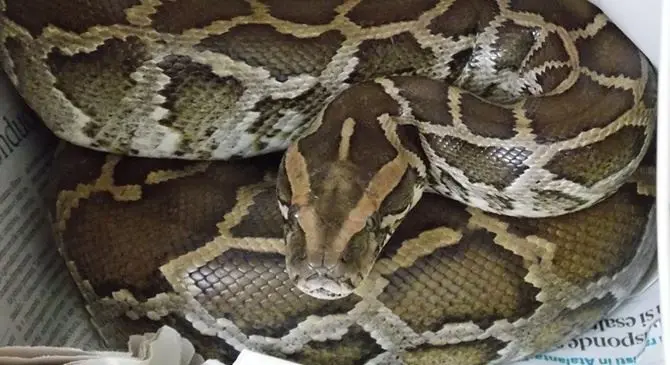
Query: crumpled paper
x=165, y=347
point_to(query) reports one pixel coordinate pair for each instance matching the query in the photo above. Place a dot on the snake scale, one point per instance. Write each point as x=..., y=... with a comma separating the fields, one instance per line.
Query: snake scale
x=344, y=181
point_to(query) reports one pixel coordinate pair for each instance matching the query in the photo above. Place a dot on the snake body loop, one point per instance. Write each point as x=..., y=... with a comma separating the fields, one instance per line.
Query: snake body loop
x=381, y=182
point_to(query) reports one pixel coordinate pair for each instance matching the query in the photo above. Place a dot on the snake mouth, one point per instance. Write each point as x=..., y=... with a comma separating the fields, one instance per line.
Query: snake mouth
x=324, y=287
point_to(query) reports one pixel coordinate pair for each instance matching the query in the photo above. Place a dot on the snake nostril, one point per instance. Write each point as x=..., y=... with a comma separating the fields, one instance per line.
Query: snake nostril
x=293, y=276
x=317, y=269
x=310, y=265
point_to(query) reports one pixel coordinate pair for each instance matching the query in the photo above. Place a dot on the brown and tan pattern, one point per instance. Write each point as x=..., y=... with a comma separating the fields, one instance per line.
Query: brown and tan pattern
x=454, y=284
x=532, y=117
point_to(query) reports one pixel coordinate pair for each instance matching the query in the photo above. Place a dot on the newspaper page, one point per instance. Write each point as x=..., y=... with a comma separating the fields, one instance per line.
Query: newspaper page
x=630, y=335
x=39, y=303
x=40, y=306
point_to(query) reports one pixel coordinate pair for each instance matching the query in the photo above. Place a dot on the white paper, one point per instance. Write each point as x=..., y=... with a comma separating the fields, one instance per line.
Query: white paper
x=165, y=347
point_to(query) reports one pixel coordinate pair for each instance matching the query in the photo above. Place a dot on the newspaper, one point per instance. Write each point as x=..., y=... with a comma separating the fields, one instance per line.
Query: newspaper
x=630, y=335
x=39, y=303
x=44, y=320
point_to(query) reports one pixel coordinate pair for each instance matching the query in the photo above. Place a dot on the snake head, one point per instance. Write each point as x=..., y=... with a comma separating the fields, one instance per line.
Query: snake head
x=326, y=264
x=343, y=187
x=336, y=222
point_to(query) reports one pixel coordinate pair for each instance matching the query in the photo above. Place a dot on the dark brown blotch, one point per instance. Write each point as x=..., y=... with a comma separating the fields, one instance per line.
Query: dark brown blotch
x=432, y=211
x=571, y=14
x=517, y=226
x=610, y=53
x=553, y=49
x=411, y=140
x=401, y=196
x=457, y=64
x=370, y=13
x=157, y=228
x=357, y=346
x=463, y=353
x=363, y=103
x=552, y=77
x=495, y=166
x=196, y=98
x=597, y=161
x=370, y=149
x=172, y=218
x=428, y=99
x=512, y=45
x=314, y=12
x=263, y=218
x=452, y=284
x=178, y=16
x=283, y=55
x=584, y=106
x=487, y=119
x=464, y=18
x=70, y=15
x=400, y=54
x=97, y=82
x=74, y=165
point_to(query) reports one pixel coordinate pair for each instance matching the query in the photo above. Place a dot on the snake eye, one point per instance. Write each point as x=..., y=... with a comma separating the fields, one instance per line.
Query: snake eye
x=292, y=215
x=283, y=209
x=293, y=212
x=291, y=225
x=372, y=222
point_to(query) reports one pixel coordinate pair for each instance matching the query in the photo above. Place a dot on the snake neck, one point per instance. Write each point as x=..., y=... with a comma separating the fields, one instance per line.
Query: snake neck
x=345, y=186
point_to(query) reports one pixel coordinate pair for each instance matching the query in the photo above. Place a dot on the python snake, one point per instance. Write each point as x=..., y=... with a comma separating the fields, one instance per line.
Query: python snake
x=463, y=181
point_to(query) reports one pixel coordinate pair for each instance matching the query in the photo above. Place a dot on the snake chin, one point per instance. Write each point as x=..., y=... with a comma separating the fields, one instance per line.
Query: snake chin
x=322, y=277
x=324, y=287
x=324, y=268
x=329, y=251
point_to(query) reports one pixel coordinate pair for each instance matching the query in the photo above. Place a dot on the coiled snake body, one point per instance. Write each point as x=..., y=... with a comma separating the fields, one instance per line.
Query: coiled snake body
x=463, y=181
